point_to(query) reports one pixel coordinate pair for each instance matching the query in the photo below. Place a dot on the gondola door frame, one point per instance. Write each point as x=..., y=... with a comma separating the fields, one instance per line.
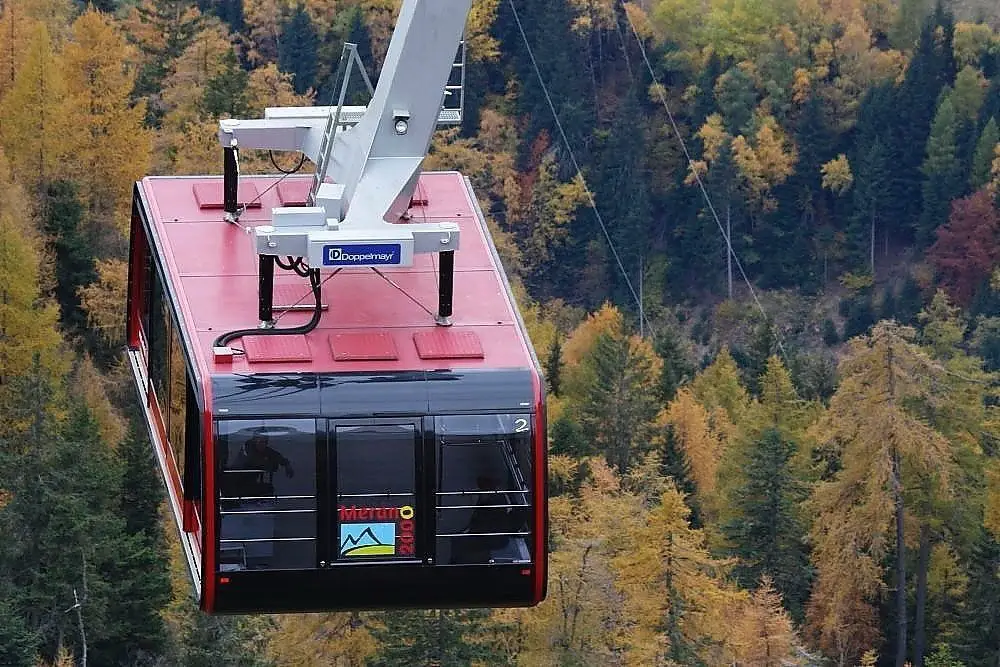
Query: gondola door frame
x=423, y=483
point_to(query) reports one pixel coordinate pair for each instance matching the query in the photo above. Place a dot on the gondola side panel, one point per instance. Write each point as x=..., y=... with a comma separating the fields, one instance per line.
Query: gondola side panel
x=143, y=335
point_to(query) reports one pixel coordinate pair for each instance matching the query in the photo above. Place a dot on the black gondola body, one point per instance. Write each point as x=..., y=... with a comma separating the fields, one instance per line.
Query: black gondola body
x=378, y=460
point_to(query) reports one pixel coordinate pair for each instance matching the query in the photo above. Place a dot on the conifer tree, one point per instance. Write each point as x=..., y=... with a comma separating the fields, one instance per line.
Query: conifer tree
x=36, y=143
x=886, y=454
x=220, y=641
x=718, y=387
x=623, y=184
x=982, y=158
x=674, y=601
x=165, y=28
x=553, y=367
x=941, y=170
x=929, y=70
x=767, y=533
x=620, y=403
x=73, y=253
x=142, y=583
x=978, y=643
x=676, y=366
x=16, y=27
x=226, y=93
x=229, y=11
x=17, y=643
x=297, y=49
x=110, y=146
x=449, y=638
x=28, y=334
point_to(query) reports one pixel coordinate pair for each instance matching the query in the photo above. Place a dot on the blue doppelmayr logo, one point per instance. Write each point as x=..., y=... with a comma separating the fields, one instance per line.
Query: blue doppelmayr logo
x=362, y=254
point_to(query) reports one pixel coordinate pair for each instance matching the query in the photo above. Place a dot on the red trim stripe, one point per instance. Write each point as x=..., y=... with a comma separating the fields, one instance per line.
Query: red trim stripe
x=540, y=493
x=208, y=543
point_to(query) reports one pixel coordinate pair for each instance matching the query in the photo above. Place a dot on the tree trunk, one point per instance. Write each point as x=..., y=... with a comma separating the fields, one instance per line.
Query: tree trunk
x=897, y=492
x=900, y=566
x=919, y=626
x=873, y=244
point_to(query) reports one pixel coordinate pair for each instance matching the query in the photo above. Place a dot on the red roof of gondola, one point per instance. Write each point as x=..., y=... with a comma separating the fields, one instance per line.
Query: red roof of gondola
x=369, y=324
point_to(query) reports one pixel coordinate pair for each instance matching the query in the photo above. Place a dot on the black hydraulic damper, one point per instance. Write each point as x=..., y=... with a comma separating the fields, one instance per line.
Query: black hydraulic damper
x=230, y=181
x=446, y=287
x=265, y=289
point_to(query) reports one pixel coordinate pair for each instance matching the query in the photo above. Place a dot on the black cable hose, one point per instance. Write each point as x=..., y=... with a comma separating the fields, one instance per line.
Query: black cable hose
x=302, y=161
x=298, y=265
x=314, y=282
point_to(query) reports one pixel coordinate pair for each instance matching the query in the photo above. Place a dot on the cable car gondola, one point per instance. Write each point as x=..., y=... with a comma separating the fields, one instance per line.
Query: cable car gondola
x=345, y=406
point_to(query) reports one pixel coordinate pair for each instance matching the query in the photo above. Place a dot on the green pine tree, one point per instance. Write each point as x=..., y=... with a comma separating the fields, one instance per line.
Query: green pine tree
x=17, y=643
x=297, y=49
x=226, y=93
x=979, y=642
x=941, y=169
x=171, y=19
x=676, y=366
x=768, y=532
x=74, y=253
x=620, y=404
x=553, y=366
x=221, y=641
x=982, y=158
x=445, y=638
x=141, y=579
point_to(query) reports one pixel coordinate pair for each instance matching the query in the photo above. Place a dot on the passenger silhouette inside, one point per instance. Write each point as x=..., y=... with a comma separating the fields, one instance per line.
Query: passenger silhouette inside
x=256, y=464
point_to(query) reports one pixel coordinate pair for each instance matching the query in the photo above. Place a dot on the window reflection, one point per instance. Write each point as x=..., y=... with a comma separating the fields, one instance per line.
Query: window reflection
x=484, y=501
x=267, y=494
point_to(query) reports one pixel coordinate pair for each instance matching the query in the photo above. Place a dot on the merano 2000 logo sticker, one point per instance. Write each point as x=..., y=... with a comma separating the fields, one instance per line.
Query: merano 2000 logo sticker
x=383, y=531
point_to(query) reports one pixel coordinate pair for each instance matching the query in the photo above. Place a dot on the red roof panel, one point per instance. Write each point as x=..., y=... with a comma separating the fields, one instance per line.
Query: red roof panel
x=209, y=195
x=377, y=346
x=213, y=275
x=276, y=348
x=448, y=344
x=294, y=193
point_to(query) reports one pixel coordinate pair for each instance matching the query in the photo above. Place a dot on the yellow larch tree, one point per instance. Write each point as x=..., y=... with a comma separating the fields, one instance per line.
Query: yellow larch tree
x=111, y=146
x=16, y=25
x=90, y=387
x=339, y=639
x=481, y=46
x=184, y=86
x=187, y=142
x=719, y=390
x=28, y=321
x=886, y=453
x=972, y=41
x=36, y=128
x=762, y=634
x=606, y=320
x=580, y=621
x=677, y=604
x=56, y=15
x=837, y=176
x=765, y=162
x=703, y=447
x=103, y=299
x=263, y=19
x=993, y=500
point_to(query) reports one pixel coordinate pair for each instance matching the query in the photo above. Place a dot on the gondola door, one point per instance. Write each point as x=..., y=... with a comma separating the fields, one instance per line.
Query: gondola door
x=374, y=492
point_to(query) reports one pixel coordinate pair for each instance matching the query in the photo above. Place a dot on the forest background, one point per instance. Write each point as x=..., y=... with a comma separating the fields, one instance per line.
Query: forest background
x=802, y=473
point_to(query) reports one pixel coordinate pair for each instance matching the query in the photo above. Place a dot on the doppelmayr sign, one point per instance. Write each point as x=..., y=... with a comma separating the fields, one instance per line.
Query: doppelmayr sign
x=362, y=254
